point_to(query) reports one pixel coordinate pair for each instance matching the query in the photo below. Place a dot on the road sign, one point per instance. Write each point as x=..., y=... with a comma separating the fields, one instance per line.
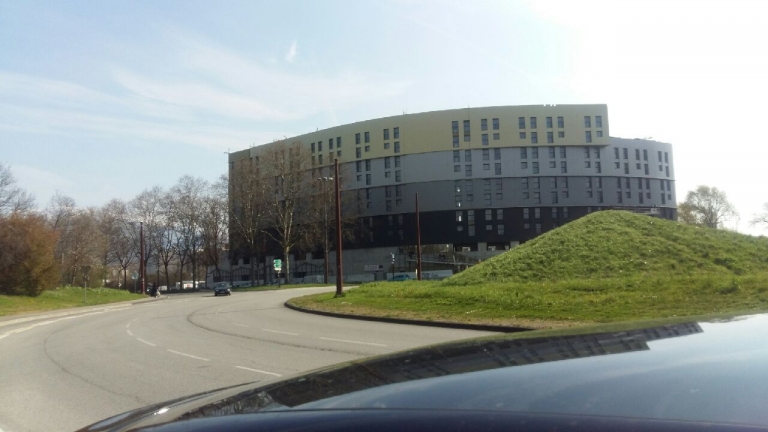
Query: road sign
x=135, y=276
x=278, y=264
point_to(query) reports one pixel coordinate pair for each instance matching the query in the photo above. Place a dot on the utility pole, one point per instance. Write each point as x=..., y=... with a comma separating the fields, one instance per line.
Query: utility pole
x=141, y=264
x=339, y=265
x=418, y=240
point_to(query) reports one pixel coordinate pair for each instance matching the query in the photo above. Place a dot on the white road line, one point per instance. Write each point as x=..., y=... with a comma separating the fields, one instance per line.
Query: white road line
x=23, y=329
x=148, y=343
x=131, y=333
x=241, y=325
x=354, y=342
x=281, y=332
x=188, y=355
x=259, y=371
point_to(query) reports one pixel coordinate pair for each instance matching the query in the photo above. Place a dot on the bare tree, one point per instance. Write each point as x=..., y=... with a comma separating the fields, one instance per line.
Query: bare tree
x=321, y=220
x=706, y=206
x=248, y=211
x=189, y=195
x=287, y=171
x=147, y=208
x=13, y=199
x=761, y=219
x=81, y=239
x=166, y=239
x=214, y=223
x=121, y=244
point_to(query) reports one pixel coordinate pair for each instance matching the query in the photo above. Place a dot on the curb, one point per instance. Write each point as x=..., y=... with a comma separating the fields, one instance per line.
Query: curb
x=443, y=324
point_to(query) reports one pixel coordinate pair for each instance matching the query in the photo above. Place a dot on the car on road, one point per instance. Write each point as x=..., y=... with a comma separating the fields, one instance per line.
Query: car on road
x=222, y=288
x=400, y=278
x=675, y=375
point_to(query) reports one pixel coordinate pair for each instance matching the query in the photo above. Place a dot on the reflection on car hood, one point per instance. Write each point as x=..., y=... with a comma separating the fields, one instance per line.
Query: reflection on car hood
x=712, y=371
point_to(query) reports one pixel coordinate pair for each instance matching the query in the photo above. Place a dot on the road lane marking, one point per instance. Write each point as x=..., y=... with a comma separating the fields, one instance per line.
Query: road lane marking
x=281, y=332
x=188, y=355
x=30, y=327
x=241, y=325
x=130, y=332
x=259, y=371
x=354, y=342
x=148, y=343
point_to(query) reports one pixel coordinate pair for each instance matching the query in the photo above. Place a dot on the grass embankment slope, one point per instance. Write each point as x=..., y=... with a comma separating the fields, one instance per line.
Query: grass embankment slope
x=606, y=267
x=62, y=298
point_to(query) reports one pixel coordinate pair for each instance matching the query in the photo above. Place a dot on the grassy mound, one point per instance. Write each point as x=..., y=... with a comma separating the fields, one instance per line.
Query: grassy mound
x=61, y=298
x=619, y=244
x=609, y=266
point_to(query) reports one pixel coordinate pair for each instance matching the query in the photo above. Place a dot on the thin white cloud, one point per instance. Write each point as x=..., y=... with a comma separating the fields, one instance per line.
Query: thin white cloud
x=291, y=54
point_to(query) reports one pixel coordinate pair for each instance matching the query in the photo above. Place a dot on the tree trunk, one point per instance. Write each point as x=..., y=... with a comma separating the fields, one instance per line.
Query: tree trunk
x=287, y=265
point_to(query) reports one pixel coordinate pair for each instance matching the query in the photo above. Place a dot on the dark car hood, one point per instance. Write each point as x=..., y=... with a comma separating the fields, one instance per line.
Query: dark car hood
x=710, y=371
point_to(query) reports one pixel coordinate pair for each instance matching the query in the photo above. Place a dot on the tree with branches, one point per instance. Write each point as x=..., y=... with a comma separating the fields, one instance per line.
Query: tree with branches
x=13, y=199
x=706, y=206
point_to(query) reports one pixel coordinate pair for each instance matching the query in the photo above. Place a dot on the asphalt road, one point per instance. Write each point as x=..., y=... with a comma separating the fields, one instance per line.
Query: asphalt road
x=63, y=370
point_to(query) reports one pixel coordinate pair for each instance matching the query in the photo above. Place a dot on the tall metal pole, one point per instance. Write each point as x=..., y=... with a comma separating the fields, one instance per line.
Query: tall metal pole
x=325, y=234
x=141, y=264
x=418, y=240
x=339, y=265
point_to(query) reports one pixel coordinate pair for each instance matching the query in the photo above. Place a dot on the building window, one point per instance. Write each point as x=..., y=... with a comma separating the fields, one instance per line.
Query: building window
x=499, y=196
x=500, y=229
x=495, y=124
x=561, y=134
x=537, y=213
x=486, y=167
x=598, y=168
x=521, y=122
x=358, y=153
x=534, y=138
x=485, y=139
x=398, y=190
x=320, y=159
x=550, y=137
x=468, y=155
x=357, y=139
x=522, y=135
x=397, y=133
x=387, y=174
x=388, y=191
x=496, y=136
x=538, y=228
x=599, y=196
x=565, y=194
x=456, y=156
x=562, y=152
x=599, y=134
x=553, y=197
x=455, y=142
x=667, y=169
x=533, y=122
x=499, y=214
x=587, y=164
x=367, y=148
x=313, y=147
x=359, y=177
x=458, y=200
x=368, y=165
x=386, y=146
x=484, y=124
x=338, y=142
x=466, y=130
x=526, y=195
x=536, y=182
x=497, y=154
x=468, y=170
x=549, y=122
x=338, y=154
x=497, y=168
x=368, y=179
x=646, y=169
x=397, y=176
x=587, y=122
x=560, y=122
x=459, y=216
x=616, y=152
x=535, y=166
x=523, y=165
x=389, y=206
x=487, y=198
x=387, y=162
x=599, y=121
x=524, y=182
x=626, y=168
x=563, y=167
x=397, y=146
x=457, y=168
x=359, y=166
x=367, y=137
x=486, y=154
x=666, y=157
x=523, y=152
x=468, y=185
x=588, y=136
x=397, y=161
x=551, y=152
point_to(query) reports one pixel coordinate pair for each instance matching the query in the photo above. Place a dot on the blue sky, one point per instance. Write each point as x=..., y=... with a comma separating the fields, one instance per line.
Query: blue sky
x=101, y=100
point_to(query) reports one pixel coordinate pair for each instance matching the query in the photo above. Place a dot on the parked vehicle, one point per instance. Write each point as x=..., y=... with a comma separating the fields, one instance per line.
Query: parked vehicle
x=222, y=288
x=400, y=278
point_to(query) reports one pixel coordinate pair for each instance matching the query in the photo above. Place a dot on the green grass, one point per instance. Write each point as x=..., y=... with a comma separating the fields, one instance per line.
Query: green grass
x=607, y=267
x=275, y=287
x=62, y=298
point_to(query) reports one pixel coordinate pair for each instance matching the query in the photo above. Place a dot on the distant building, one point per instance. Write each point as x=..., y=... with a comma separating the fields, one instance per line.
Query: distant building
x=488, y=178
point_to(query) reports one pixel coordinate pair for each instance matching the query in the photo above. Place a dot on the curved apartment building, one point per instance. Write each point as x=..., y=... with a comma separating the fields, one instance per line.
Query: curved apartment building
x=489, y=178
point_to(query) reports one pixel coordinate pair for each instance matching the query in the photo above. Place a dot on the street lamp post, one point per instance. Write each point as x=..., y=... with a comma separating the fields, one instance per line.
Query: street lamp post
x=142, y=268
x=339, y=265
